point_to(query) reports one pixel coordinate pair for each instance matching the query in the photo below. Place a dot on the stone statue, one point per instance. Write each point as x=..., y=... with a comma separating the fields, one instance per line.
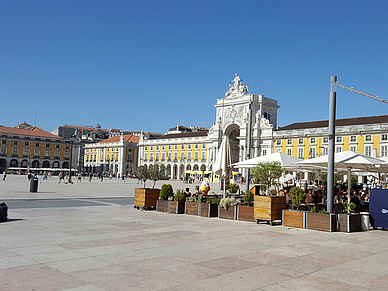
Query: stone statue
x=236, y=81
x=238, y=88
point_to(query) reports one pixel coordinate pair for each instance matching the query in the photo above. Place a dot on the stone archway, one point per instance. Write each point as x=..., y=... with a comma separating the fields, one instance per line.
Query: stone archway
x=13, y=163
x=46, y=164
x=233, y=131
x=175, y=172
x=35, y=164
x=188, y=168
x=195, y=168
x=3, y=164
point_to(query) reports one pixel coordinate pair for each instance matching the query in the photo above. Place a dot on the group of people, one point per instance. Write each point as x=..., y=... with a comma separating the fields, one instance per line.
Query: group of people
x=195, y=194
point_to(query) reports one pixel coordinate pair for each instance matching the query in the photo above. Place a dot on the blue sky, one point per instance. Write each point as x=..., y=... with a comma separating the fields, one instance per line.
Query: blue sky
x=148, y=65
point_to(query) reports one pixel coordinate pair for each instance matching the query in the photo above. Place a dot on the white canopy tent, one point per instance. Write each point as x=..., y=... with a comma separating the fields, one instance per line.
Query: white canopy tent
x=285, y=161
x=348, y=160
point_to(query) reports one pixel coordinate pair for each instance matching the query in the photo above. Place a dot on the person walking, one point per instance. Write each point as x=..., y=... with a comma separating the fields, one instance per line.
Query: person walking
x=4, y=175
x=90, y=177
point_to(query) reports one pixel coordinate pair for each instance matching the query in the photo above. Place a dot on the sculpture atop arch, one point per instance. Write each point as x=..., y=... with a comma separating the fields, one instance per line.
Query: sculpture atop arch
x=238, y=88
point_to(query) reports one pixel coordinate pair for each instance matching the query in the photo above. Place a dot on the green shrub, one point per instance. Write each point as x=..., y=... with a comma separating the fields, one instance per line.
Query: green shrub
x=349, y=206
x=166, y=192
x=324, y=212
x=248, y=196
x=233, y=188
x=180, y=196
x=214, y=200
x=313, y=209
x=298, y=195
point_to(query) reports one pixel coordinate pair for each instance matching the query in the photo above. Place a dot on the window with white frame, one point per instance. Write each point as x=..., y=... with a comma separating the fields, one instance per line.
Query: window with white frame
x=289, y=152
x=36, y=152
x=289, y=141
x=56, y=153
x=325, y=140
x=278, y=142
x=368, y=150
x=67, y=155
x=383, y=152
x=325, y=151
x=368, y=138
x=3, y=150
x=278, y=150
x=264, y=153
x=300, y=141
x=353, y=138
x=384, y=137
x=25, y=151
x=189, y=156
x=338, y=149
x=312, y=153
x=47, y=152
x=145, y=157
x=175, y=156
x=339, y=138
x=203, y=155
x=196, y=156
x=353, y=149
x=300, y=153
x=312, y=140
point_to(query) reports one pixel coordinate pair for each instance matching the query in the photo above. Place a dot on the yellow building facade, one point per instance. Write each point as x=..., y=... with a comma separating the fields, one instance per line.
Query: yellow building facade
x=31, y=148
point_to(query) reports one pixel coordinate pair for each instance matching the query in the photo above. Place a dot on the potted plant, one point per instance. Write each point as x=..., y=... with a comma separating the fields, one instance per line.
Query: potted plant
x=322, y=220
x=268, y=207
x=146, y=197
x=178, y=205
x=295, y=218
x=210, y=207
x=228, y=208
x=163, y=204
x=349, y=222
x=193, y=205
x=246, y=209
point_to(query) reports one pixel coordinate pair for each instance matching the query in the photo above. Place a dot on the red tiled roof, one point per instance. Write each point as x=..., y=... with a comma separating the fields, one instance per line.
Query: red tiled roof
x=33, y=131
x=83, y=127
x=127, y=138
x=338, y=122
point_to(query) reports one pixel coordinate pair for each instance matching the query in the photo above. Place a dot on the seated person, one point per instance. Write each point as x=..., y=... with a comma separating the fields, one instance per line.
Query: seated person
x=354, y=198
x=187, y=192
x=196, y=191
x=288, y=197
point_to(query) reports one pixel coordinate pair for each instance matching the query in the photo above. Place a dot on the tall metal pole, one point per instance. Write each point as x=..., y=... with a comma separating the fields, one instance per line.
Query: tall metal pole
x=249, y=142
x=330, y=166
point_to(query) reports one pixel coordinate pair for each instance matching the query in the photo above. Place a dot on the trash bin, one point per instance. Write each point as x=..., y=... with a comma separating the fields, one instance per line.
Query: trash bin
x=364, y=220
x=3, y=212
x=34, y=184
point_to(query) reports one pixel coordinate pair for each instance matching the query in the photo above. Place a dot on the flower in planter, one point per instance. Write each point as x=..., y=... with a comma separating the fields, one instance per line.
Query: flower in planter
x=229, y=201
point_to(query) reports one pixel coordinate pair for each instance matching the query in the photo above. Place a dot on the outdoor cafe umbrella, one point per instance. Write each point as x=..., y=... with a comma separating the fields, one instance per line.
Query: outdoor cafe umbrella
x=285, y=161
x=348, y=160
x=223, y=160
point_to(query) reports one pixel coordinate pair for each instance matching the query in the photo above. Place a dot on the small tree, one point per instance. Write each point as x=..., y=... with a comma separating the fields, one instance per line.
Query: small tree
x=298, y=195
x=248, y=196
x=156, y=172
x=268, y=173
x=142, y=174
x=166, y=192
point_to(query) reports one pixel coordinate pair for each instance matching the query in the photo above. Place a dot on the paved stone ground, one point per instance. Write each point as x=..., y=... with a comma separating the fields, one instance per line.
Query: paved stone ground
x=116, y=247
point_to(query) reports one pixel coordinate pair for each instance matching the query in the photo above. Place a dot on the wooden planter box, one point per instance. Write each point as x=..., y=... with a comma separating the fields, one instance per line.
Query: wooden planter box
x=246, y=213
x=227, y=214
x=349, y=223
x=269, y=208
x=177, y=207
x=146, y=198
x=294, y=218
x=324, y=222
x=162, y=205
x=209, y=210
x=192, y=208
